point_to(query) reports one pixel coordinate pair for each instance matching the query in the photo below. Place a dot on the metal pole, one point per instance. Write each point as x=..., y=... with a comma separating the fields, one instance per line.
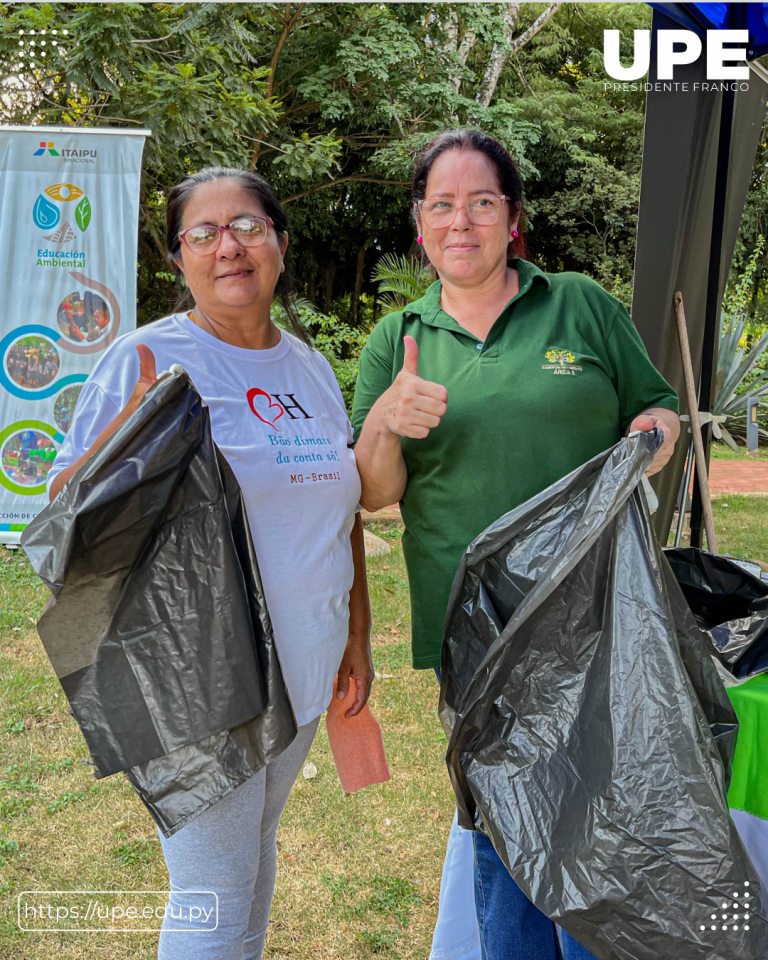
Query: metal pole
x=753, y=435
x=683, y=498
x=690, y=389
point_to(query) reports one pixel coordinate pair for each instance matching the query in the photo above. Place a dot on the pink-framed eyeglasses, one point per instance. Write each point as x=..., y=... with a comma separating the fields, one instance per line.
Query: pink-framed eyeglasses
x=480, y=211
x=248, y=231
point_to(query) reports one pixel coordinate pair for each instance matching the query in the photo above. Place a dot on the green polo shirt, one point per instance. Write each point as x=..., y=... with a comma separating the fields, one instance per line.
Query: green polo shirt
x=559, y=378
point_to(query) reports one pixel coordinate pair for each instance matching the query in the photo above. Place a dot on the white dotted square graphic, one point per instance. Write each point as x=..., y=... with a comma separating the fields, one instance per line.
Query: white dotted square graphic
x=41, y=50
x=737, y=904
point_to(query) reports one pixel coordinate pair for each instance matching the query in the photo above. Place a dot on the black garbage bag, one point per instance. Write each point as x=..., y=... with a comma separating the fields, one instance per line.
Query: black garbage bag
x=589, y=732
x=729, y=603
x=157, y=628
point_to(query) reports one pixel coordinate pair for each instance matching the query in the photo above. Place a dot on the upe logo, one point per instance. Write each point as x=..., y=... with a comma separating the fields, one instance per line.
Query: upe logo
x=268, y=411
x=675, y=48
x=46, y=145
x=47, y=214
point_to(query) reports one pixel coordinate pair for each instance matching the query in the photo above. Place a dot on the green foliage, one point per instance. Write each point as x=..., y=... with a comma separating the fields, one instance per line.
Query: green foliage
x=339, y=343
x=404, y=277
x=741, y=354
x=67, y=798
x=597, y=211
x=8, y=848
x=129, y=852
x=392, y=899
x=734, y=381
x=331, y=102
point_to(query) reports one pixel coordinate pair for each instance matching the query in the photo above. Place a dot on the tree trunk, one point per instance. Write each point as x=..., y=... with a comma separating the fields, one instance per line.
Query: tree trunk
x=330, y=272
x=501, y=52
x=354, y=312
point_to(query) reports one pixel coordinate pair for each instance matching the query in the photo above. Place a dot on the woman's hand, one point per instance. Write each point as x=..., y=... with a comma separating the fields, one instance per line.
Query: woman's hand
x=669, y=423
x=412, y=406
x=357, y=663
x=147, y=376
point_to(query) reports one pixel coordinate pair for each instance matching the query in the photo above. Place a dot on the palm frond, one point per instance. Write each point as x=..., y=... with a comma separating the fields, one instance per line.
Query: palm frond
x=402, y=276
x=742, y=365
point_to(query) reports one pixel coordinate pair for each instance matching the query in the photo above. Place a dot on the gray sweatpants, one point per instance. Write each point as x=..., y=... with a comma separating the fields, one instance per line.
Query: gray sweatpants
x=230, y=850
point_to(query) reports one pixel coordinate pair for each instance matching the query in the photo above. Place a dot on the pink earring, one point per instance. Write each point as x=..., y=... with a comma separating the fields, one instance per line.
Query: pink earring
x=419, y=239
x=514, y=234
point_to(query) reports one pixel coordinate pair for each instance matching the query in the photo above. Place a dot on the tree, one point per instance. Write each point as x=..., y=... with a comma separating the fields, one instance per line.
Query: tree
x=331, y=102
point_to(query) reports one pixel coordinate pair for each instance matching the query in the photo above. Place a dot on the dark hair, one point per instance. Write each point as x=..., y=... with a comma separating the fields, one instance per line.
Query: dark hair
x=506, y=170
x=260, y=190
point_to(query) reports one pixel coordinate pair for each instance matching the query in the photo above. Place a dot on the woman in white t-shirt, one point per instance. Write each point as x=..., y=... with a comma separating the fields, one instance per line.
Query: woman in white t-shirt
x=278, y=416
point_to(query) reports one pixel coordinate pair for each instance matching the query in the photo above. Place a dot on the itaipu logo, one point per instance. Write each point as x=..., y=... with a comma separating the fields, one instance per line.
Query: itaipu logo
x=67, y=154
x=677, y=48
x=46, y=145
x=48, y=209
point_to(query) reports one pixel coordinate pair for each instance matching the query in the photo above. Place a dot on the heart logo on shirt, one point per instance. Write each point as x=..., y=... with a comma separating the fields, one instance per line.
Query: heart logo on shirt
x=256, y=392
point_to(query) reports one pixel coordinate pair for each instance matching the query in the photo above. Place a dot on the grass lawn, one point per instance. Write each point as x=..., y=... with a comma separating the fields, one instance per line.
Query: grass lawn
x=721, y=451
x=358, y=876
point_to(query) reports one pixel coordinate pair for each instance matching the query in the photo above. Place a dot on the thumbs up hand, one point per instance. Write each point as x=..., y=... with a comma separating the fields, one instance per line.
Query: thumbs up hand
x=413, y=406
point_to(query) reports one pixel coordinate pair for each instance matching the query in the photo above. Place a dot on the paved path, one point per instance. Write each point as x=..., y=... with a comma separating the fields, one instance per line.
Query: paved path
x=738, y=476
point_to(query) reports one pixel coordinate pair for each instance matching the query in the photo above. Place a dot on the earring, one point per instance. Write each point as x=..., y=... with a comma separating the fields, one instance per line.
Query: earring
x=514, y=234
x=419, y=239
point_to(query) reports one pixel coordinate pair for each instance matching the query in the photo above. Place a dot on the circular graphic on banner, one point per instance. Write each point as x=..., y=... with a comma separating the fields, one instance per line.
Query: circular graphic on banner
x=32, y=362
x=35, y=441
x=27, y=457
x=64, y=408
x=83, y=317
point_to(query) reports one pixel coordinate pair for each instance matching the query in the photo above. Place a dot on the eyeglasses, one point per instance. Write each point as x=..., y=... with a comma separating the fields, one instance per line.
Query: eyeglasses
x=248, y=231
x=441, y=213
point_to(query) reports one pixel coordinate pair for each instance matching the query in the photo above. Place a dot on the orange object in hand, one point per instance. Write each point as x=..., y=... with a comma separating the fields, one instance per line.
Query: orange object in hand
x=356, y=743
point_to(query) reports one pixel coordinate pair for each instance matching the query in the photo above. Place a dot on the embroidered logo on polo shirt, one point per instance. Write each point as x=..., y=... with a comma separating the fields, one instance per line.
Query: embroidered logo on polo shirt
x=562, y=362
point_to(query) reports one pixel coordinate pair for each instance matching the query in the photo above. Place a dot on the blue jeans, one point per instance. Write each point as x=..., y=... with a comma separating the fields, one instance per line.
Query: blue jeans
x=511, y=928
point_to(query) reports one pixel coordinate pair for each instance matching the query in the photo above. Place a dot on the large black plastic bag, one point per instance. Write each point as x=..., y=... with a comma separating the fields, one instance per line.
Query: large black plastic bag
x=588, y=728
x=729, y=603
x=159, y=631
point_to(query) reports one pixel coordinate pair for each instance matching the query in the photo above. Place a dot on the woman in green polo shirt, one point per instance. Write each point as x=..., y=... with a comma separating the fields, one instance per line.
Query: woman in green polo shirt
x=496, y=383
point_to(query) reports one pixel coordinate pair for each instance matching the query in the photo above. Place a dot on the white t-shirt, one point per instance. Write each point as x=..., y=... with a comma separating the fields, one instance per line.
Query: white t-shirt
x=278, y=417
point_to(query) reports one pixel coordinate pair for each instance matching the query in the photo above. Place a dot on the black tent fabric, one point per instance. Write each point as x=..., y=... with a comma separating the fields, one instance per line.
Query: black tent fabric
x=699, y=150
x=589, y=733
x=158, y=628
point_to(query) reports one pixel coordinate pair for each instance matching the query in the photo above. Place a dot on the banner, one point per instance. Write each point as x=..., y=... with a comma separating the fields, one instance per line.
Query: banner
x=69, y=210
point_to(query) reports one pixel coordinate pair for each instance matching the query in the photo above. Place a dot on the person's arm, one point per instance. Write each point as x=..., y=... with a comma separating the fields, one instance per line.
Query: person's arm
x=410, y=407
x=147, y=376
x=357, y=661
x=646, y=400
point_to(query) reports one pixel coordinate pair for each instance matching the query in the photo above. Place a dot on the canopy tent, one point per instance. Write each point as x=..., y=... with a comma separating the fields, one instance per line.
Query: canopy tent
x=698, y=155
x=723, y=16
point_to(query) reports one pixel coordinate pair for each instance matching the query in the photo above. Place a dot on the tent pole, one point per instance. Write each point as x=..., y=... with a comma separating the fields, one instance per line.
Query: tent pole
x=712, y=309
